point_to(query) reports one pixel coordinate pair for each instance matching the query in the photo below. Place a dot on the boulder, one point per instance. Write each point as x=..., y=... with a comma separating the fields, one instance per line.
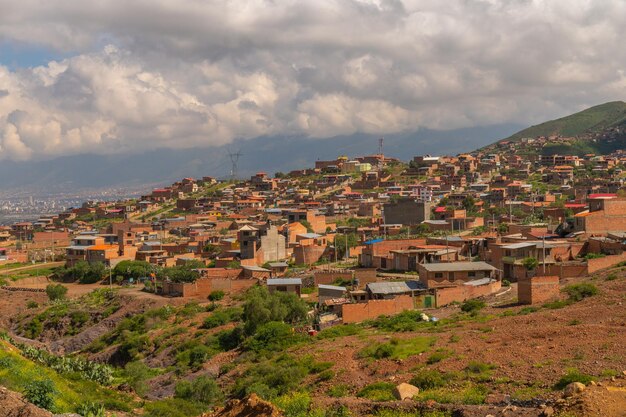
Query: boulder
x=405, y=391
x=573, y=389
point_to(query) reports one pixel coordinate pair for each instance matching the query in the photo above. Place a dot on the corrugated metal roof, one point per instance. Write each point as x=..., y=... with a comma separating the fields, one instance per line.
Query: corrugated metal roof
x=331, y=287
x=284, y=281
x=398, y=287
x=459, y=266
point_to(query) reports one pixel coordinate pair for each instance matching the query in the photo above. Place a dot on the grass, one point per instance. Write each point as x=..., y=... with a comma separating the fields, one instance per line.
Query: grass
x=378, y=391
x=572, y=375
x=340, y=331
x=399, y=348
x=464, y=393
x=70, y=390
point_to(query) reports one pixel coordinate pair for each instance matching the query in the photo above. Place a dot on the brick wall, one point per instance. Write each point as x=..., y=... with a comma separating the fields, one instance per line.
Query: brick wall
x=327, y=278
x=354, y=313
x=538, y=290
x=445, y=296
x=594, y=265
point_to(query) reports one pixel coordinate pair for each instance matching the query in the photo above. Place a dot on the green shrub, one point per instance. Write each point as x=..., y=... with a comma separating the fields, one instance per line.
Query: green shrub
x=137, y=373
x=429, y=379
x=56, y=292
x=294, y=404
x=203, y=390
x=378, y=391
x=172, y=407
x=554, y=305
x=506, y=283
x=438, y=356
x=406, y=321
x=216, y=295
x=272, y=378
x=611, y=277
x=91, y=409
x=527, y=310
x=572, y=375
x=340, y=331
x=577, y=292
x=326, y=375
x=398, y=348
x=32, y=304
x=474, y=305
x=41, y=393
x=273, y=337
x=337, y=391
x=479, y=368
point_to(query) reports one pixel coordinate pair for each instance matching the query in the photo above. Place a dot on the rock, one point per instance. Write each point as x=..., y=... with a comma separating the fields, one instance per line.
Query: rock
x=547, y=412
x=573, y=389
x=405, y=391
x=593, y=383
x=624, y=373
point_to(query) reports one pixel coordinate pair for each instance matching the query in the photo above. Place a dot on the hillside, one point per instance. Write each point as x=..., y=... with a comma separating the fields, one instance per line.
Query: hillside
x=593, y=120
x=467, y=364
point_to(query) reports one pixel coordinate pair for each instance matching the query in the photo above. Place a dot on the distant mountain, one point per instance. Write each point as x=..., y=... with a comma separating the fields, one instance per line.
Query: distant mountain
x=271, y=154
x=595, y=119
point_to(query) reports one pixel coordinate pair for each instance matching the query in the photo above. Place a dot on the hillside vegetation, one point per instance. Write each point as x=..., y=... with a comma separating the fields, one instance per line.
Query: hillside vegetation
x=592, y=120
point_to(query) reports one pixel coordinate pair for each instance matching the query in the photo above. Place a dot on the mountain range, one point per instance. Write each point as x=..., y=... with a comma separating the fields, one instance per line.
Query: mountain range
x=272, y=154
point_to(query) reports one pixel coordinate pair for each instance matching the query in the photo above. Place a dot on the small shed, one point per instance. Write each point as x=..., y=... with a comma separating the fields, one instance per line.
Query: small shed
x=292, y=285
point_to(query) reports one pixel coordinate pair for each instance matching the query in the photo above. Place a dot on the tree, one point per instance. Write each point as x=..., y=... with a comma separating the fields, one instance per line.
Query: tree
x=211, y=250
x=133, y=269
x=56, y=292
x=261, y=307
x=340, y=243
x=530, y=263
x=202, y=390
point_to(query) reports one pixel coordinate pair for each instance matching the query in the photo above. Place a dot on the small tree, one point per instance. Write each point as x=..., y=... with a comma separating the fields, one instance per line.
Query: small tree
x=56, y=292
x=530, y=263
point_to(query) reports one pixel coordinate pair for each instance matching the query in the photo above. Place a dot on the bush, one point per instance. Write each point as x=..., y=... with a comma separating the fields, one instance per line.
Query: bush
x=203, y=390
x=56, y=292
x=339, y=331
x=378, y=391
x=479, y=367
x=41, y=393
x=337, y=391
x=272, y=378
x=438, y=356
x=429, y=379
x=406, y=321
x=32, y=304
x=471, y=306
x=506, y=283
x=572, y=375
x=91, y=409
x=137, y=373
x=577, y=292
x=273, y=337
x=216, y=295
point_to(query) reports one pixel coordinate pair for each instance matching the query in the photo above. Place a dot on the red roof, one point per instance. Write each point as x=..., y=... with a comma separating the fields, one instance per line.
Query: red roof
x=440, y=209
x=575, y=205
x=606, y=195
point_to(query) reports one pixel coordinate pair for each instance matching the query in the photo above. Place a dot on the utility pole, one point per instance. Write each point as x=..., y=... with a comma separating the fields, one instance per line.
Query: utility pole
x=544, y=254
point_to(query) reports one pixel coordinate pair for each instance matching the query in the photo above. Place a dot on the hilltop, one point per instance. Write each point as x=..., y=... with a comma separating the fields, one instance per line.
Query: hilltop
x=593, y=120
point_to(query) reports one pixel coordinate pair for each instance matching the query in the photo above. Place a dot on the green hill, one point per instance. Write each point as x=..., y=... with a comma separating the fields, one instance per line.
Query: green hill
x=592, y=120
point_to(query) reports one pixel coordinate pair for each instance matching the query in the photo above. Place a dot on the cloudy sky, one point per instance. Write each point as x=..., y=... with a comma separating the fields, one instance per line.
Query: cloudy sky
x=125, y=76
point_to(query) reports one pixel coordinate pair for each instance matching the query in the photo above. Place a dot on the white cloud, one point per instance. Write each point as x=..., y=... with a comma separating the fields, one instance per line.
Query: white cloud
x=164, y=73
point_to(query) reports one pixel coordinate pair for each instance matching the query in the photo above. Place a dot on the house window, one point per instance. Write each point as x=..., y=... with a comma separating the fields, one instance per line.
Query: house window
x=471, y=274
x=438, y=275
x=281, y=288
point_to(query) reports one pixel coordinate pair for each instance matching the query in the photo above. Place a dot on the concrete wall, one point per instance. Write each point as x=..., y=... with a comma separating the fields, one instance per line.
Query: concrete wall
x=355, y=313
x=406, y=212
x=537, y=290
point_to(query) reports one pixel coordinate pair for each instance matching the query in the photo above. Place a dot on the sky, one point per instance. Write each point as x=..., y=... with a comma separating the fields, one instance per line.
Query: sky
x=123, y=76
